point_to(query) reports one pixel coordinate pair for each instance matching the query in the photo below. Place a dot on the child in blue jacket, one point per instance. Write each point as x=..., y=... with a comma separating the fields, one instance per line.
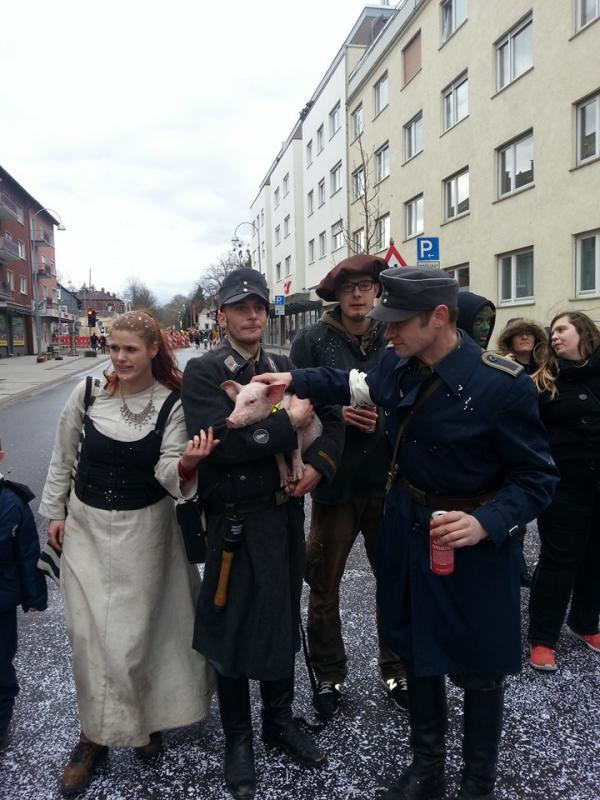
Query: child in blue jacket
x=21, y=583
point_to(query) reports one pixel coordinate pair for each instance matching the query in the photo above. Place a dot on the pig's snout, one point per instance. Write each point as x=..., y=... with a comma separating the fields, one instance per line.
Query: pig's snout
x=232, y=422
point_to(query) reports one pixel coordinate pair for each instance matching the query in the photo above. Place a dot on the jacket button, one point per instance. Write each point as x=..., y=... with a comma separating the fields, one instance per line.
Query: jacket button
x=582, y=396
x=585, y=420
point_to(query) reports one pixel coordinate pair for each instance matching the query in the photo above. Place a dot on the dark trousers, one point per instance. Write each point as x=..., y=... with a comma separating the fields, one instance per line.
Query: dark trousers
x=9, y=687
x=569, y=567
x=333, y=531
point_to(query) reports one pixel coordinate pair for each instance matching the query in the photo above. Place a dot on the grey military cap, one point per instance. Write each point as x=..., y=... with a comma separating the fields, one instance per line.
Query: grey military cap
x=406, y=291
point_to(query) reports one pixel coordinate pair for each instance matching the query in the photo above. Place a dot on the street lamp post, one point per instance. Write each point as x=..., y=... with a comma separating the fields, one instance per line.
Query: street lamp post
x=236, y=242
x=36, y=301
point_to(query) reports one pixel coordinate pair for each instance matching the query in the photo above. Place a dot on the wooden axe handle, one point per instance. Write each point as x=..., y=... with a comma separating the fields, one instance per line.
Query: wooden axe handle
x=221, y=593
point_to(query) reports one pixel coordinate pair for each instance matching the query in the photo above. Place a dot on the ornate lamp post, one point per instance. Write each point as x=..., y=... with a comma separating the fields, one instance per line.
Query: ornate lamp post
x=237, y=244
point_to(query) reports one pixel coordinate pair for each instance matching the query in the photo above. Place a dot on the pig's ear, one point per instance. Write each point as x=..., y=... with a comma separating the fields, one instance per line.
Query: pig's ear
x=275, y=392
x=231, y=389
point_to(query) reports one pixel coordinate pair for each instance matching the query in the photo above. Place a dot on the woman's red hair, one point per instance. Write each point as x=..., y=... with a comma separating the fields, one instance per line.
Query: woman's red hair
x=164, y=366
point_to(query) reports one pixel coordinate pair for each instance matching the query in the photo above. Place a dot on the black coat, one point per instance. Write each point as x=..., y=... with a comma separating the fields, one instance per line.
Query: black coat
x=366, y=457
x=257, y=633
x=21, y=583
x=572, y=418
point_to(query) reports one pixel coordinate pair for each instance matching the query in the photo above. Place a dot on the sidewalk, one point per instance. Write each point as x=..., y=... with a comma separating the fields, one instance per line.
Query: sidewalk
x=22, y=375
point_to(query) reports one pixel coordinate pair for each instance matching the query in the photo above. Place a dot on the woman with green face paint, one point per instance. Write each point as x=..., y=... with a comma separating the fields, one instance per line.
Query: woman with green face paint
x=476, y=317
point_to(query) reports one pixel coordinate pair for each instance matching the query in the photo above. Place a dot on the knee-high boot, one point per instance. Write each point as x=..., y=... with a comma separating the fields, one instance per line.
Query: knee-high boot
x=424, y=778
x=234, y=705
x=280, y=729
x=481, y=740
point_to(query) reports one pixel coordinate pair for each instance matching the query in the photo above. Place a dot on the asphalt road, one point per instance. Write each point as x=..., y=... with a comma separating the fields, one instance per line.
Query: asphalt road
x=551, y=743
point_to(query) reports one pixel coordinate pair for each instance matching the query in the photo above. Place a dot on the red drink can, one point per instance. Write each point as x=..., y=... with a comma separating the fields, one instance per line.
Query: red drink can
x=441, y=557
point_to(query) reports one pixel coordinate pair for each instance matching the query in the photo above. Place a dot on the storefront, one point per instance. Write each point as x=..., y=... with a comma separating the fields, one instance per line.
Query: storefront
x=15, y=332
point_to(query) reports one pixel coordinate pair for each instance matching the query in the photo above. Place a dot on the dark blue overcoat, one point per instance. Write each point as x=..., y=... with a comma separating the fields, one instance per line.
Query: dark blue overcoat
x=479, y=431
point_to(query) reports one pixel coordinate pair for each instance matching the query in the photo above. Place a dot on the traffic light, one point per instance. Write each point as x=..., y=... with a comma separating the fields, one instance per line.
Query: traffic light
x=91, y=315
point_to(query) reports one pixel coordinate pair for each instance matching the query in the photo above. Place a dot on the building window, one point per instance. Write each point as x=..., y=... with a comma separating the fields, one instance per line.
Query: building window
x=322, y=244
x=413, y=216
x=310, y=202
x=382, y=163
x=382, y=232
x=311, y=251
x=21, y=247
x=278, y=271
x=320, y=139
x=278, y=234
x=309, y=157
x=515, y=165
x=336, y=178
x=413, y=136
x=454, y=13
x=358, y=183
x=460, y=273
x=381, y=94
x=455, y=100
x=587, y=258
x=288, y=265
x=456, y=195
x=588, y=129
x=335, y=120
x=286, y=184
x=22, y=284
x=337, y=236
x=286, y=226
x=587, y=11
x=514, y=53
x=321, y=189
x=262, y=218
x=358, y=241
x=20, y=217
x=515, y=276
x=411, y=58
x=358, y=122
x=276, y=197
x=10, y=280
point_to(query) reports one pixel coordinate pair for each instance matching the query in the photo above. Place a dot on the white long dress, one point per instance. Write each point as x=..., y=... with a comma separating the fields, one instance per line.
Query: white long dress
x=129, y=592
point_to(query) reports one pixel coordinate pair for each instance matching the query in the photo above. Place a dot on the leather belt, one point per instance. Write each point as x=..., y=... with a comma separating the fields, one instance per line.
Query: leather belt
x=446, y=502
x=249, y=506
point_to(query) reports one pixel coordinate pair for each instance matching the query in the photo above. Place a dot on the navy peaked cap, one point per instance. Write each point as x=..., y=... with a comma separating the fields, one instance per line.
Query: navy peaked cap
x=406, y=291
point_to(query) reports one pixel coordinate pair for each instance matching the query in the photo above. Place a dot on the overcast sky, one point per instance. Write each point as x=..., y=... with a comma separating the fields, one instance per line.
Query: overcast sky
x=148, y=125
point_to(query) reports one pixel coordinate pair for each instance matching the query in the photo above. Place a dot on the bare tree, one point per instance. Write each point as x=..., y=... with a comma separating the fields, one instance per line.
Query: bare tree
x=140, y=296
x=364, y=180
x=211, y=279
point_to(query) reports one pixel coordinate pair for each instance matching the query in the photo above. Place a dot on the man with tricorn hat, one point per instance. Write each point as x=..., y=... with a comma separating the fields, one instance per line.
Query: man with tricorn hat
x=345, y=337
x=468, y=442
x=248, y=625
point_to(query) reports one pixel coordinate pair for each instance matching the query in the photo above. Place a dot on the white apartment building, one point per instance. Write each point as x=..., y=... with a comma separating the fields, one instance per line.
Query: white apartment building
x=260, y=217
x=483, y=129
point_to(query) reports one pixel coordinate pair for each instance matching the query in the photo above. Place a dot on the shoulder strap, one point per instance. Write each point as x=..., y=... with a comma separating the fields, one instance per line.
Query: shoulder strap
x=424, y=393
x=164, y=412
x=507, y=365
x=89, y=398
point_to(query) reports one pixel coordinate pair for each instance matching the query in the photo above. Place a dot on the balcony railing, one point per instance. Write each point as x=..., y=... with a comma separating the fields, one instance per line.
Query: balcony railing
x=5, y=290
x=8, y=207
x=43, y=237
x=45, y=270
x=9, y=250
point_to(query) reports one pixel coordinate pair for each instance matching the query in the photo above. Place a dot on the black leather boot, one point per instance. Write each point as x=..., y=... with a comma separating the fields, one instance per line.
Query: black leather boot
x=424, y=778
x=280, y=729
x=234, y=705
x=481, y=740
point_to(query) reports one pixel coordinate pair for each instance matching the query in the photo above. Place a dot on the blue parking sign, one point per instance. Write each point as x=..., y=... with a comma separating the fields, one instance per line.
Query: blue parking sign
x=428, y=248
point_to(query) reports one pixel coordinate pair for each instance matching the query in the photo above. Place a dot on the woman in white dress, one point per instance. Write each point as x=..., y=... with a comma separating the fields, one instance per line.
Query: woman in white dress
x=129, y=592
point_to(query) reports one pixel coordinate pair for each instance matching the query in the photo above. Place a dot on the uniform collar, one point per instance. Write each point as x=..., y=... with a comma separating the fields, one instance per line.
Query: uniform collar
x=456, y=368
x=241, y=351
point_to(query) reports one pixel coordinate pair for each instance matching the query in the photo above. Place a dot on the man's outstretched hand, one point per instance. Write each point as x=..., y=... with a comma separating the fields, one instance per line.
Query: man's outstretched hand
x=275, y=377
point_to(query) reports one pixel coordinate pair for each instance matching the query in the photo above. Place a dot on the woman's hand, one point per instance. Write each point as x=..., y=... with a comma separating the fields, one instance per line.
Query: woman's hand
x=198, y=448
x=364, y=418
x=56, y=533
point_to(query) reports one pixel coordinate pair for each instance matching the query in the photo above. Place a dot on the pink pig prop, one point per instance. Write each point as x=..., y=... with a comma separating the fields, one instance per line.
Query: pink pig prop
x=256, y=401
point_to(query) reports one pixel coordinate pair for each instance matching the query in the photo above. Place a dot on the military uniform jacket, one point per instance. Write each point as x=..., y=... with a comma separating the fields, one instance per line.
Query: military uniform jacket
x=257, y=633
x=479, y=431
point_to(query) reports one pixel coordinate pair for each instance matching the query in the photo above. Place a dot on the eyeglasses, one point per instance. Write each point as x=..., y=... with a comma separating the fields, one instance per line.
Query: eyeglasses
x=349, y=286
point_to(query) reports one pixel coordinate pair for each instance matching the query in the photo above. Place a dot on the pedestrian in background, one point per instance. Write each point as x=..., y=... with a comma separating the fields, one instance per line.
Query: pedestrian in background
x=129, y=593
x=254, y=633
x=525, y=341
x=569, y=565
x=21, y=584
x=353, y=502
x=468, y=442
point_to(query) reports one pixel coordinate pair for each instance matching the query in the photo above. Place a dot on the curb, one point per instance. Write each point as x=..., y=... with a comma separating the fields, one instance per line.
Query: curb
x=41, y=387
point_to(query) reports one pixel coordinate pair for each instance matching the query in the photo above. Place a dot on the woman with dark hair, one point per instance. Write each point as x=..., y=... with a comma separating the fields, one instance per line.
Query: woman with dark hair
x=129, y=592
x=569, y=565
x=525, y=341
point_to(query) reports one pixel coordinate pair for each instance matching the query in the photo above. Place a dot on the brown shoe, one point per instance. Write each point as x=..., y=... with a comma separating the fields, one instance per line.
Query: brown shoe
x=152, y=749
x=82, y=762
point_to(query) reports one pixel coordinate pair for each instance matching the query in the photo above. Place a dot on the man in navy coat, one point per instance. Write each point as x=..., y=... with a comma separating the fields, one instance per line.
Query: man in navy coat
x=474, y=447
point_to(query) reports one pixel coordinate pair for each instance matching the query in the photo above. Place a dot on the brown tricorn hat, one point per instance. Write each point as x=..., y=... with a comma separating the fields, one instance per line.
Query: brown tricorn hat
x=363, y=264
